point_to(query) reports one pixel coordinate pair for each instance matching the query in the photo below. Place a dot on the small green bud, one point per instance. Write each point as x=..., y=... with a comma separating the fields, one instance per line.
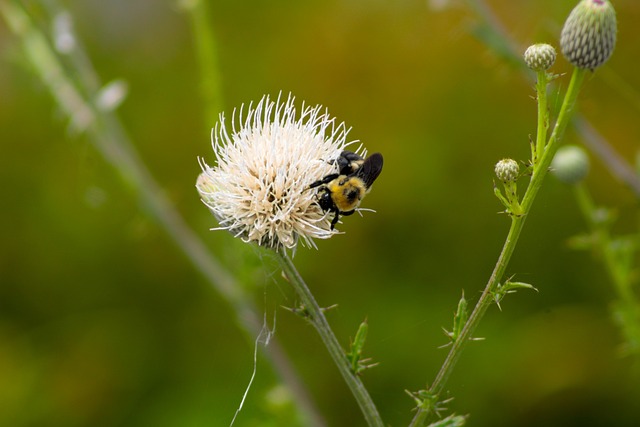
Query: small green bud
x=361, y=336
x=509, y=287
x=540, y=56
x=358, y=364
x=507, y=170
x=570, y=164
x=589, y=34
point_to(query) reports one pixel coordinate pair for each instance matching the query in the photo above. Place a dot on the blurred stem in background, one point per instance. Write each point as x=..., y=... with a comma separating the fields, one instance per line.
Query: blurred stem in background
x=617, y=253
x=75, y=87
x=207, y=56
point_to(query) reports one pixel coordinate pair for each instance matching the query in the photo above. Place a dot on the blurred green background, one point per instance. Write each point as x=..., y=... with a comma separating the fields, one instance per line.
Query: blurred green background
x=103, y=321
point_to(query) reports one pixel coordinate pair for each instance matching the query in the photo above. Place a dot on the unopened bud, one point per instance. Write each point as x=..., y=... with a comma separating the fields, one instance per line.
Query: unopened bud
x=570, y=164
x=540, y=57
x=507, y=170
x=589, y=34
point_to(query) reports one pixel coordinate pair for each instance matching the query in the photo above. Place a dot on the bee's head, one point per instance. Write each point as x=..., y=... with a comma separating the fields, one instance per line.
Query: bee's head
x=324, y=199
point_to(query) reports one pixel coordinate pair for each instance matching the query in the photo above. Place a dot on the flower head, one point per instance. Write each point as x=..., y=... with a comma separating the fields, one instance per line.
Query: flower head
x=259, y=188
x=507, y=170
x=570, y=164
x=540, y=56
x=589, y=34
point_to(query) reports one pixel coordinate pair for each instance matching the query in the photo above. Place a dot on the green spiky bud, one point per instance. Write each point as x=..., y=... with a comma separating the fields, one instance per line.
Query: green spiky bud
x=570, y=164
x=507, y=170
x=589, y=34
x=540, y=56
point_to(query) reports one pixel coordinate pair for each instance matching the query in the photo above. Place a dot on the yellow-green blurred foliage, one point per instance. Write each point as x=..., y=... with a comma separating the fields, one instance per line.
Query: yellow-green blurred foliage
x=103, y=322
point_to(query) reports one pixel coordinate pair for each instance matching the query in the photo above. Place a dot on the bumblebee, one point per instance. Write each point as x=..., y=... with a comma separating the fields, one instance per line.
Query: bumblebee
x=342, y=192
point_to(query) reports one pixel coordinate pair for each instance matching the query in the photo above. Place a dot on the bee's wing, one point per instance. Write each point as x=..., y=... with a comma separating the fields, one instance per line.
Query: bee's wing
x=370, y=169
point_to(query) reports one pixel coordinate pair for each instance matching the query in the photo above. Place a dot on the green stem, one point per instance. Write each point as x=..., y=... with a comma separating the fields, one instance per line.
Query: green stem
x=517, y=224
x=543, y=114
x=319, y=321
x=558, y=132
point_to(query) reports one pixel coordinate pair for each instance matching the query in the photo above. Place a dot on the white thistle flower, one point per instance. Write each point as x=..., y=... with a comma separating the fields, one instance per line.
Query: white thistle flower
x=259, y=188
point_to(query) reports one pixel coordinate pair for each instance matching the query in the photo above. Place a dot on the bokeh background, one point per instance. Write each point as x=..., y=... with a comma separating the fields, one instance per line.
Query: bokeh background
x=104, y=322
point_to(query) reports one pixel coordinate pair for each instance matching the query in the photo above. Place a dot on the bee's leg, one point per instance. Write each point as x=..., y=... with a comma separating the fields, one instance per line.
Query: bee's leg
x=348, y=213
x=335, y=219
x=324, y=180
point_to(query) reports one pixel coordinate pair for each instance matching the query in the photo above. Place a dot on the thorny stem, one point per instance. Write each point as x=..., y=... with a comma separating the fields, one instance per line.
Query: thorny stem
x=319, y=321
x=543, y=114
x=517, y=224
x=107, y=133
